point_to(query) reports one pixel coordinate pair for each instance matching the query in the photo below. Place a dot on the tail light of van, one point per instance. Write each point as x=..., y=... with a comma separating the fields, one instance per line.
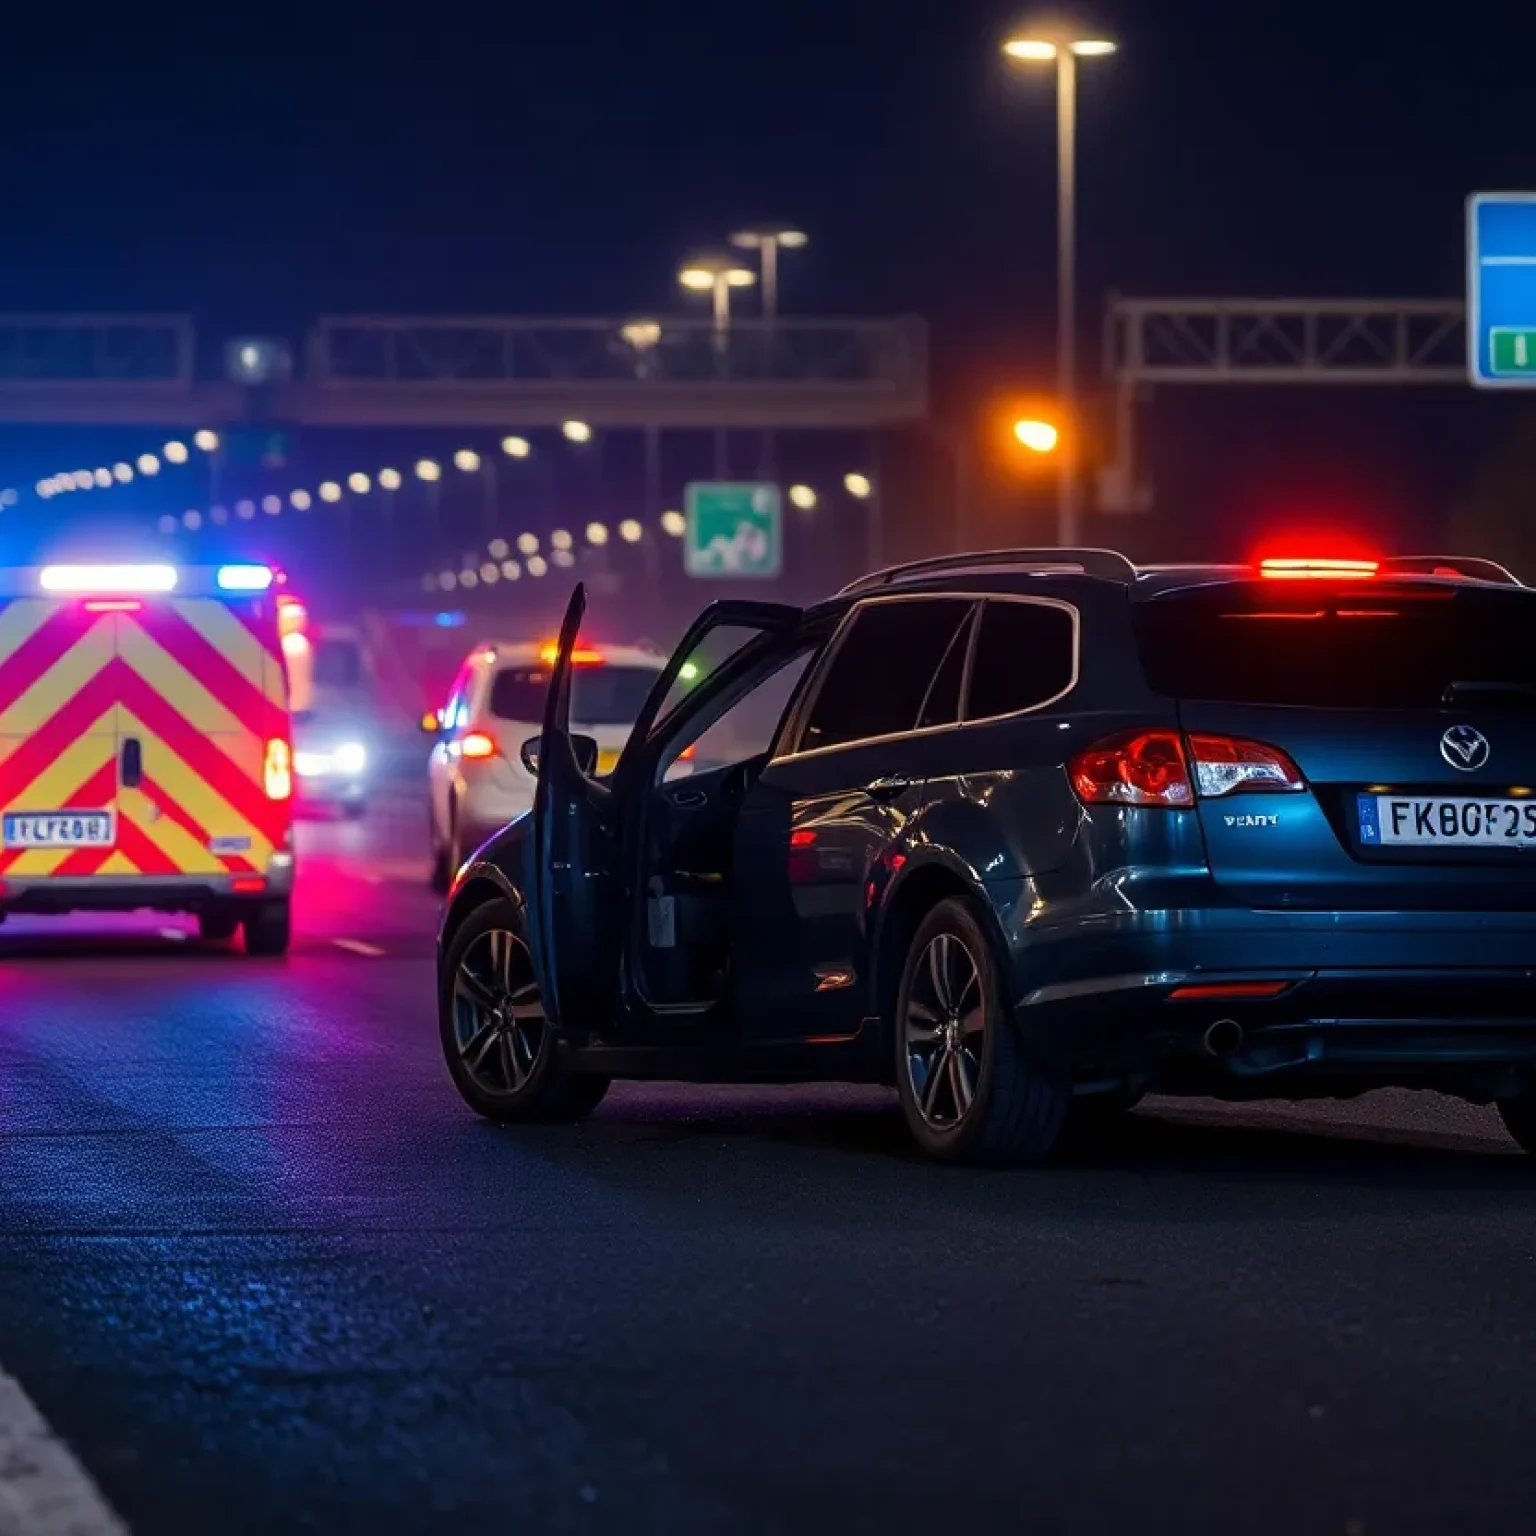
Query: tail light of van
x=277, y=770
x=1158, y=767
x=478, y=746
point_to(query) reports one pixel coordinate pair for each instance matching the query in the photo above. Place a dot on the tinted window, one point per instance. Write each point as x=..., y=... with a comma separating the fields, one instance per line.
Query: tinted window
x=942, y=706
x=719, y=645
x=600, y=695
x=1353, y=649
x=879, y=677
x=338, y=664
x=749, y=726
x=1025, y=656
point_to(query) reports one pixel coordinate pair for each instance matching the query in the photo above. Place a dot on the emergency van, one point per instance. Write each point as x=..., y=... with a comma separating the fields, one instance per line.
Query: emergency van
x=145, y=749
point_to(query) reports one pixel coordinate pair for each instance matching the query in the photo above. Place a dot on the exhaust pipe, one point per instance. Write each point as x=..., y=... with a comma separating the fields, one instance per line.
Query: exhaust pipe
x=1223, y=1038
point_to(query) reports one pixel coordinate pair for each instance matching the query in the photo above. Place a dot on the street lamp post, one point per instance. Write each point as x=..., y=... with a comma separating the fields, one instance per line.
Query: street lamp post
x=1065, y=51
x=768, y=240
x=716, y=274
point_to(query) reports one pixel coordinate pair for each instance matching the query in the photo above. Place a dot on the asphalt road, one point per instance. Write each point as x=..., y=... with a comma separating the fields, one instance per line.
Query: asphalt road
x=261, y=1271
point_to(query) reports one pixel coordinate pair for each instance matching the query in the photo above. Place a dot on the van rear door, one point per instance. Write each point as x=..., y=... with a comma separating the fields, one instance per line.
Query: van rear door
x=204, y=733
x=1408, y=708
x=58, y=739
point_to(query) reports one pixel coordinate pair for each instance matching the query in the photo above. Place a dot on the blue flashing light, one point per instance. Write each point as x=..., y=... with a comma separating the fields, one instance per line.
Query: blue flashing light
x=244, y=578
x=449, y=620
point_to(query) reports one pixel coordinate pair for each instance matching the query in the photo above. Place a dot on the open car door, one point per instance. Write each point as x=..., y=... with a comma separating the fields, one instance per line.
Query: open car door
x=583, y=859
x=569, y=864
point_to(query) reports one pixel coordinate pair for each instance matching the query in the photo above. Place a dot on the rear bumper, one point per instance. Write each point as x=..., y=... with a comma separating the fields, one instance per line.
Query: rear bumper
x=1361, y=999
x=484, y=809
x=132, y=893
x=320, y=793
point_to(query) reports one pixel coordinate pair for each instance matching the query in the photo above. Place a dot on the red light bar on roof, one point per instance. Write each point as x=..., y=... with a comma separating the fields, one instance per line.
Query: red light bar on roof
x=1301, y=570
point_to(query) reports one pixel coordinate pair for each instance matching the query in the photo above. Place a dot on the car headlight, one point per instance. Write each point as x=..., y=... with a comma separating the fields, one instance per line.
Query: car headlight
x=350, y=757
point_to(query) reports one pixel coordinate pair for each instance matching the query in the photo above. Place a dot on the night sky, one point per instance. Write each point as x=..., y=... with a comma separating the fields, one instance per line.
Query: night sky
x=561, y=158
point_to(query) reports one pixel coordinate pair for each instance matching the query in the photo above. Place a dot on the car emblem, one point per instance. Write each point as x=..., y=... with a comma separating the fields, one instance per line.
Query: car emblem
x=1465, y=748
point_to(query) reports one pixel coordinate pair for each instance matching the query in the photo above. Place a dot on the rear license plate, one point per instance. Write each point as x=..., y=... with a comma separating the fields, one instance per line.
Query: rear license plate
x=1446, y=821
x=59, y=829
x=607, y=761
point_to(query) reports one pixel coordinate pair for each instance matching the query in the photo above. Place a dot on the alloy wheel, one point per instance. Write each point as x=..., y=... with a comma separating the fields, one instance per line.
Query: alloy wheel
x=945, y=1030
x=499, y=1027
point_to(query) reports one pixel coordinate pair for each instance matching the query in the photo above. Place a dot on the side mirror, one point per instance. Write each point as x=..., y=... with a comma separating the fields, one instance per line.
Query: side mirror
x=432, y=722
x=585, y=748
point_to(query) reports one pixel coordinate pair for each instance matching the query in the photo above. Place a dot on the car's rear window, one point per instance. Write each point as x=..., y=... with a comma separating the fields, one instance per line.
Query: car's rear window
x=338, y=664
x=1340, y=645
x=600, y=695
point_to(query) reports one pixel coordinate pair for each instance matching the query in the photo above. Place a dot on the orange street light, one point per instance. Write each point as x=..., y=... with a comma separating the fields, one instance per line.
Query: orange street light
x=1037, y=436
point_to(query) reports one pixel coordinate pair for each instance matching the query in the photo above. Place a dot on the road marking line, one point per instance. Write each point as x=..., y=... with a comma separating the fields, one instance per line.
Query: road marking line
x=44, y=1491
x=358, y=947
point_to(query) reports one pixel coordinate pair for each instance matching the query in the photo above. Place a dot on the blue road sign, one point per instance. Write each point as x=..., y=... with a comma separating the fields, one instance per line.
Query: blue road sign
x=1501, y=290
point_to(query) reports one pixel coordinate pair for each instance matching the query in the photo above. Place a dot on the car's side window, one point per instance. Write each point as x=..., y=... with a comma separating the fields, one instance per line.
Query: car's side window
x=879, y=678
x=1025, y=656
x=942, y=706
x=716, y=648
x=748, y=727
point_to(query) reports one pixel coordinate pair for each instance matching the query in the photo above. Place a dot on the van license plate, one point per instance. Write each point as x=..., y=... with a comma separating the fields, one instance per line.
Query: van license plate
x=59, y=829
x=607, y=762
x=1445, y=821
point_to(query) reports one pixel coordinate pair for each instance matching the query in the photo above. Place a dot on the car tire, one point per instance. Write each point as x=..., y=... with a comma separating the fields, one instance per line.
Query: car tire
x=269, y=929
x=488, y=1008
x=1519, y=1117
x=217, y=927
x=969, y=1091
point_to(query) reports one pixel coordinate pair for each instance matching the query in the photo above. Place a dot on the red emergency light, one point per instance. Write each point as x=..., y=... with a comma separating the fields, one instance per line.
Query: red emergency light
x=1315, y=568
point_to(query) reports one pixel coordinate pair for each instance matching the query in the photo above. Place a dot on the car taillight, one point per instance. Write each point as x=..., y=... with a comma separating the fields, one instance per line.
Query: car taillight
x=1227, y=764
x=1133, y=768
x=477, y=745
x=277, y=770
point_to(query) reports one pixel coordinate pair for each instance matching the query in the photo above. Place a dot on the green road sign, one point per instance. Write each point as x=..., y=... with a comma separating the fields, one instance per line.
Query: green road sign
x=1513, y=350
x=734, y=530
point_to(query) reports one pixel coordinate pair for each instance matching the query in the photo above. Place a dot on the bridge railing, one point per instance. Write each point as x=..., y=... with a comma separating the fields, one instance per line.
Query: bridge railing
x=99, y=350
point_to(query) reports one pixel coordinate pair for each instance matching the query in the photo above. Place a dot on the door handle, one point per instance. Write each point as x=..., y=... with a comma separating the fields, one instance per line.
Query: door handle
x=888, y=787
x=689, y=799
x=132, y=763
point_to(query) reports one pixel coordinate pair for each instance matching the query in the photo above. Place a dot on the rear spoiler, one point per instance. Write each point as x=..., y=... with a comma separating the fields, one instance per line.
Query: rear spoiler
x=1466, y=567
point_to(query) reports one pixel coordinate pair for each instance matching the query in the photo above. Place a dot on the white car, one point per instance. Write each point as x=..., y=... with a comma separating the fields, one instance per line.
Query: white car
x=476, y=777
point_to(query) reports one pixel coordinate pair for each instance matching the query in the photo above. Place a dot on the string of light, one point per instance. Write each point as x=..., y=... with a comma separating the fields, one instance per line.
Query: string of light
x=104, y=477
x=501, y=564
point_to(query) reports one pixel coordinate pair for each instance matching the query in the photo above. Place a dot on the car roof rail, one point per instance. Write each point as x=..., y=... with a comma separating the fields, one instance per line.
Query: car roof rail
x=1104, y=563
x=1469, y=567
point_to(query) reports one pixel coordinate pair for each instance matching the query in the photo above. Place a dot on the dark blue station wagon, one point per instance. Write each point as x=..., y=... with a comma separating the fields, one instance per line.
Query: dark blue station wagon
x=1027, y=835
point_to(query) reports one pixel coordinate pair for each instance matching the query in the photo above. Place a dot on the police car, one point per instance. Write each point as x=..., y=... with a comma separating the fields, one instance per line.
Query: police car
x=145, y=746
